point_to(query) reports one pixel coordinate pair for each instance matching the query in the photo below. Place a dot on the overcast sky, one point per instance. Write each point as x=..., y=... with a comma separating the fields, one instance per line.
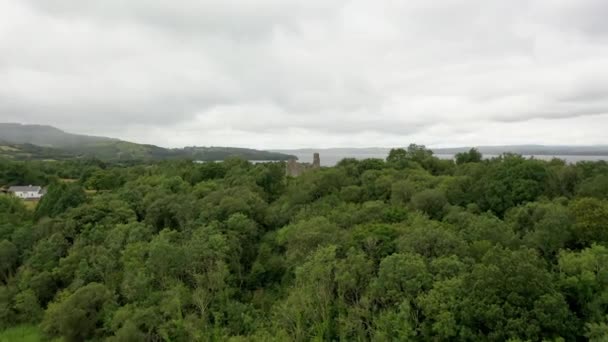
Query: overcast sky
x=310, y=73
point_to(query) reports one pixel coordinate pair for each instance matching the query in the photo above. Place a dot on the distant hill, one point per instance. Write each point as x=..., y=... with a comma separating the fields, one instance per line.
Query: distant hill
x=46, y=136
x=19, y=141
x=29, y=151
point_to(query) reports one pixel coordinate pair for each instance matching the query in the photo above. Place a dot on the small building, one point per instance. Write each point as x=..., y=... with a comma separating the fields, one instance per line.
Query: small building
x=27, y=192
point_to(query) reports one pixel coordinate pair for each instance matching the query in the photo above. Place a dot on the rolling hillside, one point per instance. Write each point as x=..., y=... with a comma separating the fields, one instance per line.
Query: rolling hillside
x=46, y=142
x=32, y=152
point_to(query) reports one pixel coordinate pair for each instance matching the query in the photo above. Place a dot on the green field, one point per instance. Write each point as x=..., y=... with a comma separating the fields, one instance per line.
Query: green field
x=22, y=333
x=8, y=148
x=31, y=205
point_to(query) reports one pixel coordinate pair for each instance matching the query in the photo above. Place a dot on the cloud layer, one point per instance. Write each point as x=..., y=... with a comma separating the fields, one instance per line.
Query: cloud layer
x=316, y=73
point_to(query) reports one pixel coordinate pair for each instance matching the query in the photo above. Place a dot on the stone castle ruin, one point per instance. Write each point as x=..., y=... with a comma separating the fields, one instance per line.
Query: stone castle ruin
x=294, y=169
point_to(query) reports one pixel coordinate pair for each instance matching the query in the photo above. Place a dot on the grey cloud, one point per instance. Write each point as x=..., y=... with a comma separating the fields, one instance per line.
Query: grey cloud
x=325, y=72
x=586, y=16
x=238, y=19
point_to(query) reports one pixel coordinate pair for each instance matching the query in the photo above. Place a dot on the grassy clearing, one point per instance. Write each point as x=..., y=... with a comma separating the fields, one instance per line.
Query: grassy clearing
x=30, y=205
x=24, y=333
x=8, y=149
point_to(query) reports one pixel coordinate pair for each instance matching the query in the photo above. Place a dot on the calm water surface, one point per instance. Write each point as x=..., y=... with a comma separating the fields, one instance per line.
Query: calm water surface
x=333, y=159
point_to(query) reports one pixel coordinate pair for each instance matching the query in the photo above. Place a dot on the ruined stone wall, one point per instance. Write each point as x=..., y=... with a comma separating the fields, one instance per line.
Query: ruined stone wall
x=295, y=169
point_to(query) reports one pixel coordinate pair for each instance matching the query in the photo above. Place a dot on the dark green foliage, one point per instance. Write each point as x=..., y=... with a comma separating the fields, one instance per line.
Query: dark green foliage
x=402, y=192
x=411, y=248
x=507, y=182
x=591, y=220
x=583, y=276
x=21, y=173
x=397, y=158
x=12, y=214
x=431, y=202
x=401, y=277
x=8, y=260
x=595, y=187
x=78, y=316
x=511, y=294
x=105, y=180
x=548, y=227
x=473, y=156
x=59, y=198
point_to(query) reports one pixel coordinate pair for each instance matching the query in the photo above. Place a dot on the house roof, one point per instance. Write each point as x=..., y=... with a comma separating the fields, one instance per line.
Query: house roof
x=24, y=188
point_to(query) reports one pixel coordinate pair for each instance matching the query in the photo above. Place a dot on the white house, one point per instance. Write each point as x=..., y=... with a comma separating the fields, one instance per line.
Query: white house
x=27, y=192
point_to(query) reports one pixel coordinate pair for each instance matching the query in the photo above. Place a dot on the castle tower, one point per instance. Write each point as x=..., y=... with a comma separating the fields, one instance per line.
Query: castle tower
x=316, y=161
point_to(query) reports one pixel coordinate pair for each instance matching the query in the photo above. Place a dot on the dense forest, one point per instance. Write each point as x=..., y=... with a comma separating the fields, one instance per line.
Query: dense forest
x=407, y=248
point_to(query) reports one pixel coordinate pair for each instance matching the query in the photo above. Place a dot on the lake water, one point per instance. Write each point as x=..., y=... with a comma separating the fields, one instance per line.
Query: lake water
x=333, y=159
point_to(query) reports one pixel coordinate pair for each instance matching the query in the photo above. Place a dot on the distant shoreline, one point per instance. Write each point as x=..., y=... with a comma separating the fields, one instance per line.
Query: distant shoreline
x=536, y=150
x=332, y=158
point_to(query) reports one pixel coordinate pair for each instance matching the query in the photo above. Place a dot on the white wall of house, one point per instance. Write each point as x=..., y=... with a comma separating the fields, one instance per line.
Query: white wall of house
x=28, y=194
